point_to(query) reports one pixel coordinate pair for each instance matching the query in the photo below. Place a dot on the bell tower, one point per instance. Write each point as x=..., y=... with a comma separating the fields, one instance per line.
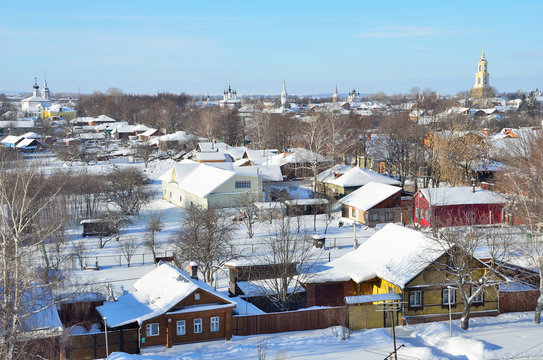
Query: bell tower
x=481, y=78
x=284, y=96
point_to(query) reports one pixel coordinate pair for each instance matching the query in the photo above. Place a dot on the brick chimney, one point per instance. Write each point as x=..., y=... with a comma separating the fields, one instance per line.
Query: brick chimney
x=193, y=270
x=473, y=185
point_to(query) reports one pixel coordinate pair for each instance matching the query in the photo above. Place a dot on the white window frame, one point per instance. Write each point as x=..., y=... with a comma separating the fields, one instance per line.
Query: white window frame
x=150, y=329
x=445, y=296
x=480, y=298
x=242, y=184
x=415, y=298
x=181, y=327
x=198, y=326
x=214, y=324
x=196, y=296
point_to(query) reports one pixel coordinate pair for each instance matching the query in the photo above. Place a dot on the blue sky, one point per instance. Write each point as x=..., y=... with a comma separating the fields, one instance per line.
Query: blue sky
x=199, y=47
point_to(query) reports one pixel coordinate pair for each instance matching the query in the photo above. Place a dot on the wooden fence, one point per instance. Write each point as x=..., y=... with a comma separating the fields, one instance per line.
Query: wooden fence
x=93, y=346
x=300, y=320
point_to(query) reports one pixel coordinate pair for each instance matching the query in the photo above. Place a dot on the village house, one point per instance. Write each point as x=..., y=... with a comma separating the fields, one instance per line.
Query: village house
x=457, y=206
x=170, y=307
x=395, y=260
x=353, y=179
x=188, y=184
x=373, y=204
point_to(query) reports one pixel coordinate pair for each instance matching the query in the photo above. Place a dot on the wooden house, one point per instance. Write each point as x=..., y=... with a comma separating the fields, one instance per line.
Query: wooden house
x=457, y=206
x=396, y=260
x=169, y=307
x=353, y=179
x=373, y=204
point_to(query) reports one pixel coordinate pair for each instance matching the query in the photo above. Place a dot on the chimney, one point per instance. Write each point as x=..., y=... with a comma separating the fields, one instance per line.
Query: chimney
x=284, y=153
x=473, y=185
x=193, y=270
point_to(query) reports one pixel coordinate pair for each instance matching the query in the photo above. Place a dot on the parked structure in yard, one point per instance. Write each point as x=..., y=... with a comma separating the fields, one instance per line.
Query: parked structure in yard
x=373, y=204
x=189, y=184
x=395, y=260
x=171, y=307
x=457, y=206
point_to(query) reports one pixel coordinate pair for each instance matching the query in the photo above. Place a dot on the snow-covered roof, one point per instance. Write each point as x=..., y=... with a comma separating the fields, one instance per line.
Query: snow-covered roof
x=27, y=143
x=268, y=172
x=30, y=135
x=306, y=202
x=212, y=146
x=149, y=132
x=211, y=156
x=104, y=119
x=328, y=174
x=299, y=155
x=395, y=253
x=369, y=195
x=461, y=195
x=12, y=139
x=155, y=293
x=45, y=316
x=357, y=176
x=198, y=179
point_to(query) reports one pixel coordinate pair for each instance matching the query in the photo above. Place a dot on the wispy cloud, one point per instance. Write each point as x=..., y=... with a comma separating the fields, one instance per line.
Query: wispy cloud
x=413, y=31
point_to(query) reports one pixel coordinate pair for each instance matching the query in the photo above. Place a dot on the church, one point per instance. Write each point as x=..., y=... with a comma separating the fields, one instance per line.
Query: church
x=482, y=84
x=34, y=104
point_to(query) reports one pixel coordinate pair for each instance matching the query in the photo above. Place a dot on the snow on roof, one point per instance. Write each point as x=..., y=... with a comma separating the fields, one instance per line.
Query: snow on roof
x=394, y=253
x=12, y=139
x=149, y=132
x=211, y=156
x=268, y=172
x=155, y=293
x=27, y=143
x=265, y=287
x=46, y=315
x=364, y=299
x=357, y=176
x=212, y=146
x=198, y=179
x=369, y=195
x=273, y=205
x=30, y=135
x=104, y=118
x=460, y=196
x=180, y=136
x=299, y=155
x=328, y=174
x=141, y=128
x=306, y=202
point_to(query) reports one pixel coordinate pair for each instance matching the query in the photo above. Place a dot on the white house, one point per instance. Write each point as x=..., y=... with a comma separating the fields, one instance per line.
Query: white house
x=189, y=184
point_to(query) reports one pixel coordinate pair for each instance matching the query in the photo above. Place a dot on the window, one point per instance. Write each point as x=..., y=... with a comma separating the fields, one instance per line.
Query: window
x=389, y=216
x=374, y=217
x=170, y=194
x=479, y=298
x=446, y=296
x=197, y=296
x=181, y=329
x=197, y=326
x=479, y=67
x=152, y=329
x=415, y=298
x=427, y=215
x=214, y=323
x=243, y=184
x=417, y=213
x=180, y=198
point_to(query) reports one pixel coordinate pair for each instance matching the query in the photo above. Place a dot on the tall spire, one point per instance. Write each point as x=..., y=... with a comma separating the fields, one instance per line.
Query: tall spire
x=45, y=93
x=483, y=54
x=35, y=87
x=284, y=97
x=335, y=96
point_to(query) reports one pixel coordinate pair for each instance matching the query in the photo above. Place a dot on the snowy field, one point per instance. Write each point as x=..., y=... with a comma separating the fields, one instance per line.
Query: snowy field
x=507, y=336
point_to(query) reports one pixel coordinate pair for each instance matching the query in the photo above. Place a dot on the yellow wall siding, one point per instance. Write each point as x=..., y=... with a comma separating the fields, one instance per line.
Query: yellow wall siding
x=369, y=317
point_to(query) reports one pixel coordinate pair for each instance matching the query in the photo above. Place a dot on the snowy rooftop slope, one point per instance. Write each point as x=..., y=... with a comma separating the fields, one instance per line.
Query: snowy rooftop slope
x=156, y=292
x=46, y=315
x=198, y=179
x=268, y=172
x=357, y=177
x=461, y=195
x=211, y=146
x=299, y=155
x=369, y=195
x=328, y=174
x=395, y=254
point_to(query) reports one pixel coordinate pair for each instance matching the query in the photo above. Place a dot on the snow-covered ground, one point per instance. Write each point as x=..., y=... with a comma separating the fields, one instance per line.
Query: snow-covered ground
x=507, y=336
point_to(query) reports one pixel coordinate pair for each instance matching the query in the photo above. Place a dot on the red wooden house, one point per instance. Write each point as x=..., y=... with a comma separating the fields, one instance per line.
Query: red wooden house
x=171, y=307
x=457, y=206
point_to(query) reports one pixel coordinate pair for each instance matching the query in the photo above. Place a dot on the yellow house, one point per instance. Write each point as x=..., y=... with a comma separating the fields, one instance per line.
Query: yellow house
x=397, y=263
x=58, y=110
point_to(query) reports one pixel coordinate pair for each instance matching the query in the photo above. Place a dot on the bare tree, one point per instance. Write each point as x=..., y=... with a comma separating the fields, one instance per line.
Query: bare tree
x=154, y=225
x=462, y=263
x=248, y=211
x=292, y=260
x=25, y=289
x=128, y=248
x=144, y=151
x=205, y=237
x=524, y=182
x=127, y=189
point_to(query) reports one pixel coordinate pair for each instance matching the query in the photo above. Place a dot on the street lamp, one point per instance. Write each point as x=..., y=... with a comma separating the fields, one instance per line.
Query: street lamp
x=449, y=288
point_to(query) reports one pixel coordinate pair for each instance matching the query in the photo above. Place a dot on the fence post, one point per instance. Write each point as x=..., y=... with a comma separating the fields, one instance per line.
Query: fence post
x=119, y=260
x=121, y=340
x=143, y=259
x=94, y=345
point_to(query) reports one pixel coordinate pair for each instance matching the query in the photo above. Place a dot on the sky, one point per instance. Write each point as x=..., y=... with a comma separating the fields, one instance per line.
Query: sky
x=200, y=47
